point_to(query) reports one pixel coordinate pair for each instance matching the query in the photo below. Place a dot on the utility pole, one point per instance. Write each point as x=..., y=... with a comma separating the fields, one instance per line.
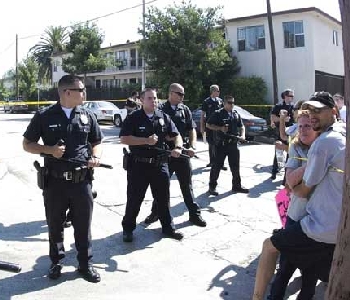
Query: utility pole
x=273, y=54
x=17, y=87
x=143, y=34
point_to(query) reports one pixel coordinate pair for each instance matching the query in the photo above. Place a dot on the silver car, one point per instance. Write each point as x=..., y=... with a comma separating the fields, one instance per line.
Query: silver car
x=107, y=111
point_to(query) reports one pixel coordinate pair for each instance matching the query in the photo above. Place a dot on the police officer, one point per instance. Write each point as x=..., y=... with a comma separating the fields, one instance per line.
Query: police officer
x=181, y=115
x=68, y=185
x=287, y=104
x=228, y=129
x=209, y=106
x=145, y=131
x=132, y=103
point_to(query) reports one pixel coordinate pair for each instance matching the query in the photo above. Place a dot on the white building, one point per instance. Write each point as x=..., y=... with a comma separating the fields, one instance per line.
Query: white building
x=309, y=50
x=126, y=67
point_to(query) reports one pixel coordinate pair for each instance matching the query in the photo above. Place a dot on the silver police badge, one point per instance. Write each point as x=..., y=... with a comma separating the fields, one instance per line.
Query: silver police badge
x=161, y=122
x=84, y=119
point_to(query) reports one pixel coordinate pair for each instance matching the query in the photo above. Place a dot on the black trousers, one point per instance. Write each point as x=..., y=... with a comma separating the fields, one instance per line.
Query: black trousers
x=286, y=271
x=183, y=170
x=140, y=176
x=211, y=145
x=232, y=152
x=58, y=197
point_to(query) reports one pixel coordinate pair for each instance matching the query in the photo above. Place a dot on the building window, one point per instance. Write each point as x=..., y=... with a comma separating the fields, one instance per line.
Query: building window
x=117, y=83
x=132, y=80
x=335, y=37
x=251, y=38
x=293, y=34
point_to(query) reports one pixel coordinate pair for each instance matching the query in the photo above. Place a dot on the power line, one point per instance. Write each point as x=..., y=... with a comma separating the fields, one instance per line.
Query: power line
x=116, y=12
x=8, y=47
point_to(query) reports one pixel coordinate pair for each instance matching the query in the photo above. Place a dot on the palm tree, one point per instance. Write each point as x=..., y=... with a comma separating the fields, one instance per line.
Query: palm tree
x=52, y=42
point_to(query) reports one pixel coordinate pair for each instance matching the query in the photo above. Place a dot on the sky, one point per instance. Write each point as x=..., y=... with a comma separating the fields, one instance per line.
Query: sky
x=29, y=19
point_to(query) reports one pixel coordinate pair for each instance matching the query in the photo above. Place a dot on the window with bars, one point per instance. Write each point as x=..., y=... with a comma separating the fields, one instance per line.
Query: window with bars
x=293, y=34
x=251, y=38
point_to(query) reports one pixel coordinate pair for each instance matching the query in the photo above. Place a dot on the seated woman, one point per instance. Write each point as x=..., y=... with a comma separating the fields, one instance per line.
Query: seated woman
x=295, y=168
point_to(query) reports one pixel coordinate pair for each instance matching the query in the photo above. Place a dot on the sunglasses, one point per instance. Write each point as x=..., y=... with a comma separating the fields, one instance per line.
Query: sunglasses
x=179, y=93
x=315, y=110
x=80, y=90
x=230, y=102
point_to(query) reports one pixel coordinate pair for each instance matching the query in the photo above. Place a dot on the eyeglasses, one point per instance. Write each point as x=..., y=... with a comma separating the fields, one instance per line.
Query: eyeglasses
x=179, y=93
x=230, y=102
x=77, y=89
x=292, y=96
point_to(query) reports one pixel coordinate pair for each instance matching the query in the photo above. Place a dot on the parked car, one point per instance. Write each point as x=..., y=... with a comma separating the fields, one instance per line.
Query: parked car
x=107, y=111
x=253, y=125
x=15, y=105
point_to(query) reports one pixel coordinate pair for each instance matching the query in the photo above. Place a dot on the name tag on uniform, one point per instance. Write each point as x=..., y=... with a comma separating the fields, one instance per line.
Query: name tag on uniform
x=53, y=126
x=142, y=128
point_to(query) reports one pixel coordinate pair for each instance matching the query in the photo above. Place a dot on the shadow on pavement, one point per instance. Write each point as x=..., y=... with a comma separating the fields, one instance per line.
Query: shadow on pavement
x=23, y=232
x=236, y=281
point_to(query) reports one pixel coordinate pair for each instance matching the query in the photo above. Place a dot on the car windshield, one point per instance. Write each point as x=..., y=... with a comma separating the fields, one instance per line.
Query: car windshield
x=243, y=113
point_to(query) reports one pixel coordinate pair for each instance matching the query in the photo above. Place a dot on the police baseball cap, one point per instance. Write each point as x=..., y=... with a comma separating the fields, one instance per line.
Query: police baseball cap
x=320, y=100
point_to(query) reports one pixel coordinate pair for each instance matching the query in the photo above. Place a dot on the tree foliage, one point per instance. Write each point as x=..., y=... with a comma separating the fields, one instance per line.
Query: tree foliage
x=28, y=71
x=52, y=42
x=184, y=44
x=84, y=46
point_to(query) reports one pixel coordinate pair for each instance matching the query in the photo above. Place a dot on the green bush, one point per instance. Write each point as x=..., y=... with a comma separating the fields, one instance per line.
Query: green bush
x=249, y=90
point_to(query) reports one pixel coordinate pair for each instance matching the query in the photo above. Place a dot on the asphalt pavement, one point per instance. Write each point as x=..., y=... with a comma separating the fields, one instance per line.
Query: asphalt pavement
x=215, y=262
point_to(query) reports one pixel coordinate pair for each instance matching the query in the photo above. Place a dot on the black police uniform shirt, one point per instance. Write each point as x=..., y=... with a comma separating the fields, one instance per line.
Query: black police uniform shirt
x=182, y=118
x=288, y=107
x=140, y=125
x=222, y=117
x=210, y=105
x=78, y=132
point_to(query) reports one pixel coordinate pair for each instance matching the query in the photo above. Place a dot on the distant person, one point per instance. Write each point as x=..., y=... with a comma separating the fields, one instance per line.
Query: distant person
x=228, y=129
x=209, y=106
x=339, y=101
x=132, y=103
x=286, y=104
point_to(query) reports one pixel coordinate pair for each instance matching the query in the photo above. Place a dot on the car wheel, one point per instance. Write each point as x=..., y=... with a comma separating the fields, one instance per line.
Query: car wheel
x=117, y=120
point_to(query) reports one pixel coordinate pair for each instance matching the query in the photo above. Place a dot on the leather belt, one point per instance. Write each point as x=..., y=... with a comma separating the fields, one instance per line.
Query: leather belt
x=149, y=160
x=67, y=175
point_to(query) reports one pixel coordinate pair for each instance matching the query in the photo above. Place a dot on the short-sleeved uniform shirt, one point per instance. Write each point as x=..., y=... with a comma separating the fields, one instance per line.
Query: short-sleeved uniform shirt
x=78, y=132
x=210, y=105
x=288, y=107
x=181, y=116
x=325, y=171
x=140, y=125
x=222, y=117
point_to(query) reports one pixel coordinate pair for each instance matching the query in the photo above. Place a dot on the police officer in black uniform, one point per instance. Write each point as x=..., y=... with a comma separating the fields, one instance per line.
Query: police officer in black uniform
x=67, y=129
x=286, y=104
x=181, y=115
x=146, y=131
x=209, y=106
x=132, y=103
x=228, y=130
